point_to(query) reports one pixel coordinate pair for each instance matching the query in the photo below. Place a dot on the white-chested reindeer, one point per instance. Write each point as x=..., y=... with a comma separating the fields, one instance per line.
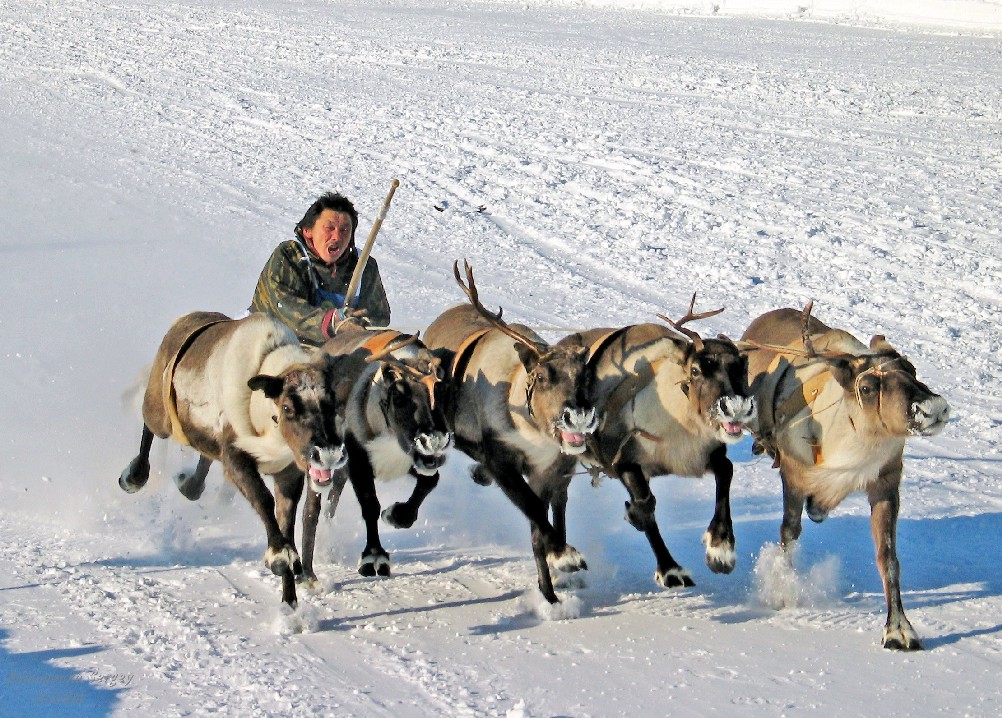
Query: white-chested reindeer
x=395, y=424
x=671, y=402
x=245, y=393
x=520, y=408
x=834, y=414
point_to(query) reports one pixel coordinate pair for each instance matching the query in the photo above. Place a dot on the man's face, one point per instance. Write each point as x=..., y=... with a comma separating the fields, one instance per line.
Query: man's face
x=330, y=235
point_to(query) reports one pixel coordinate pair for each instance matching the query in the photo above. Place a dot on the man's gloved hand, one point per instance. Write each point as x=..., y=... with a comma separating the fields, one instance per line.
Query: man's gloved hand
x=350, y=318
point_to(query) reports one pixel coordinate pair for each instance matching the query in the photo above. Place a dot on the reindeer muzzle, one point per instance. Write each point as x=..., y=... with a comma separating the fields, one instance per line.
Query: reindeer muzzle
x=430, y=452
x=929, y=416
x=323, y=463
x=573, y=427
x=734, y=414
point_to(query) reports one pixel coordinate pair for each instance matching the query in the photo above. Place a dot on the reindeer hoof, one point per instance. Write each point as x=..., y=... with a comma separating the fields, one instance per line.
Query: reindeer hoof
x=814, y=512
x=481, y=476
x=399, y=516
x=374, y=563
x=901, y=639
x=720, y=558
x=567, y=560
x=283, y=561
x=135, y=476
x=676, y=577
x=190, y=486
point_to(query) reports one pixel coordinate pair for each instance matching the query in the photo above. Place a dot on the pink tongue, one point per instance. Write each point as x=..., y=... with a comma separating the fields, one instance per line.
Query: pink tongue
x=732, y=427
x=321, y=476
x=573, y=438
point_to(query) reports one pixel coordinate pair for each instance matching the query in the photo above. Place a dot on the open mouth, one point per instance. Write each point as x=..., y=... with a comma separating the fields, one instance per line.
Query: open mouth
x=320, y=477
x=574, y=439
x=428, y=464
x=732, y=428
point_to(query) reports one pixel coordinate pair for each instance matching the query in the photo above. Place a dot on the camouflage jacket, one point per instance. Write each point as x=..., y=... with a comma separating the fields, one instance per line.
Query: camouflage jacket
x=305, y=294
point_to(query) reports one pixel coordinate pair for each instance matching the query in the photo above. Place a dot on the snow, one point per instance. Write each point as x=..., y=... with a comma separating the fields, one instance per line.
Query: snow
x=626, y=153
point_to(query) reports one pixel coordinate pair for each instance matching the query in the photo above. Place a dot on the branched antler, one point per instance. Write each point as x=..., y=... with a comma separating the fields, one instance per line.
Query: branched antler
x=470, y=290
x=694, y=337
x=805, y=320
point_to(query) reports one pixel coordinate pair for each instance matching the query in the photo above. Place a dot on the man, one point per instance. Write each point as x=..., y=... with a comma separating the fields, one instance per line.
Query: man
x=305, y=280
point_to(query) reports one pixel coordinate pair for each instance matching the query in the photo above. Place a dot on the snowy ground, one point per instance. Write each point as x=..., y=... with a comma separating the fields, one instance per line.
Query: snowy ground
x=152, y=155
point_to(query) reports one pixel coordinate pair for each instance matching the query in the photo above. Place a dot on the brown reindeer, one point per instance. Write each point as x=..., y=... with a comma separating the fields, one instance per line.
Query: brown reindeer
x=520, y=408
x=670, y=404
x=245, y=393
x=395, y=424
x=834, y=414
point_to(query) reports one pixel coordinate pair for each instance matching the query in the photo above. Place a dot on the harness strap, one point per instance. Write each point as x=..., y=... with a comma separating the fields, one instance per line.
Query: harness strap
x=380, y=341
x=465, y=351
x=167, y=383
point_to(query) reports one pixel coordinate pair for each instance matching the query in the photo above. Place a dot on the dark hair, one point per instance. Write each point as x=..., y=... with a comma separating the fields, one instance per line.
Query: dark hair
x=331, y=200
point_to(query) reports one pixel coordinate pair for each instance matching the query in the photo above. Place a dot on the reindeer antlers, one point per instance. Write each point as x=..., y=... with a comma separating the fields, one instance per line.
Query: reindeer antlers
x=697, y=340
x=495, y=319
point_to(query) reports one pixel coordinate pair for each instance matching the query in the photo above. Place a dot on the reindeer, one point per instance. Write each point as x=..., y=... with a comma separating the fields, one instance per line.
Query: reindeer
x=395, y=424
x=834, y=415
x=520, y=409
x=670, y=403
x=245, y=393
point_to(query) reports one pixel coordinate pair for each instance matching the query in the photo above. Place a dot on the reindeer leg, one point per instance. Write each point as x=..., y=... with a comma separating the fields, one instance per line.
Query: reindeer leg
x=793, y=512
x=192, y=485
x=640, y=515
x=884, y=503
x=311, y=517
x=719, y=536
x=241, y=469
x=374, y=560
x=544, y=578
x=137, y=473
x=402, y=515
x=288, y=490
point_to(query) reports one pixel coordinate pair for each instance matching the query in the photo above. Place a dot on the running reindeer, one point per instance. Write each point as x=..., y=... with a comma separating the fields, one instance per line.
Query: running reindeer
x=520, y=408
x=671, y=402
x=245, y=393
x=395, y=424
x=834, y=414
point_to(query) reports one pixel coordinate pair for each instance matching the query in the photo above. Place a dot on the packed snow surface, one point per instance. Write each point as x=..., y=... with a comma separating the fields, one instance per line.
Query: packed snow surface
x=597, y=163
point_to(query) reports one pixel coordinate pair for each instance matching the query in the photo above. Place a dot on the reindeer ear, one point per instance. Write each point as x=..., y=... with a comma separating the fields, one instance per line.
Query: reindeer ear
x=880, y=343
x=527, y=356
x=270, y=385
x=844, y=372
x=446, y=359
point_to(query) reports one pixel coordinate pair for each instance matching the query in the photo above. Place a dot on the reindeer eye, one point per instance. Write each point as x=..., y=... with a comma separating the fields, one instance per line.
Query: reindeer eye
x=694, y=371
x=288, y=410
x=865, y=389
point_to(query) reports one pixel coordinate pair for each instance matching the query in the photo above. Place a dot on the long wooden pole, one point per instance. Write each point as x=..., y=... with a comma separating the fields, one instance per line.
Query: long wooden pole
x=363, y=257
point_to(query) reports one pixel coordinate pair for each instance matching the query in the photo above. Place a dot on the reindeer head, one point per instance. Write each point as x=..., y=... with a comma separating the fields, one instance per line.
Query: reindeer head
x=309, y=415
x=413, y=397
x=885, y=387
x=881, y=387
x=558, y=378
x=557, y=391
x=715, y=379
